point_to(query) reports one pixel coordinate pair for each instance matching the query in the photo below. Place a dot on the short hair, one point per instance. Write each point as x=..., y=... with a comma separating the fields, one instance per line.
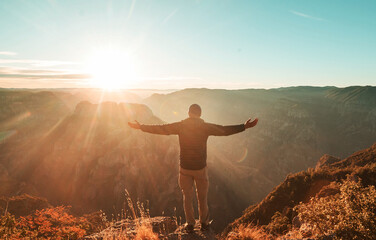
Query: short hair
x=195, y=109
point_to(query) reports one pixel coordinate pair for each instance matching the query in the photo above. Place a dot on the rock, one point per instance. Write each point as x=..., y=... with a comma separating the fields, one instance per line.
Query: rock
x=180, y=233
x=328, y=190
x=326, y=160
x=22, y=205
x=296, y=223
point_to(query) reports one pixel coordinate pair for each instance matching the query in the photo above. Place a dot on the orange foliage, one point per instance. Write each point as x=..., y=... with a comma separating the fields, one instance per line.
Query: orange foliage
x=49, y=223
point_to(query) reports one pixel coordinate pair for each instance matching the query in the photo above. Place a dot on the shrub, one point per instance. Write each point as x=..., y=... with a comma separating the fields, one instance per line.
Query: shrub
x=49, y=223
x=7, y=225
x=280, y=224
x=350, y=214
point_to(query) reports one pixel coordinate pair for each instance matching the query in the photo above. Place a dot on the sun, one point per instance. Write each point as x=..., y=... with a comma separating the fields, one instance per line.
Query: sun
x=111, y=70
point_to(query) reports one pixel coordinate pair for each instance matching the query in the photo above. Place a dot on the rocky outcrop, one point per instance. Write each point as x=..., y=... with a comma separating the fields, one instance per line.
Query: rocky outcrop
x=326, y=160
x=22, y=205
x=328, y=190
x=360, y=158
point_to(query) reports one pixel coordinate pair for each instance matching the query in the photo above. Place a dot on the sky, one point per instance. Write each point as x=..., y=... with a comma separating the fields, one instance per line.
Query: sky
x=182, y=44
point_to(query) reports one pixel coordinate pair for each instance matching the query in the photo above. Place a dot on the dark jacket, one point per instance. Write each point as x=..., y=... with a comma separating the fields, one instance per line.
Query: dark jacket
x=193, y=135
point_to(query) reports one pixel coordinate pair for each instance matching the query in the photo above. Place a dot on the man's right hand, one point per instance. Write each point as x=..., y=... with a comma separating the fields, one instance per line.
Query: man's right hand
x=135, y=125
x=249, y=123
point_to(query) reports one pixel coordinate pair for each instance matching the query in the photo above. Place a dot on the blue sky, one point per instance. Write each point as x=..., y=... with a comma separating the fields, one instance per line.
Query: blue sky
x=179, y=44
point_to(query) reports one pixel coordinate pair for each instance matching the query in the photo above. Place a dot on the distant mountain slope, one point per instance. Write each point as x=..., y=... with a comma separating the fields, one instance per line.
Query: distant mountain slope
x=16, y=103
x=300, y=187
x=25, y=119
x=59, y=160
x=99, y=95
x=365, y=96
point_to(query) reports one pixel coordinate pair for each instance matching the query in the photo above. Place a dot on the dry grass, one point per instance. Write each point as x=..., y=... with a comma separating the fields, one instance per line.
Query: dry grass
x=248, y=233
x=145, y=233
x=143, y=229
x=293, y=235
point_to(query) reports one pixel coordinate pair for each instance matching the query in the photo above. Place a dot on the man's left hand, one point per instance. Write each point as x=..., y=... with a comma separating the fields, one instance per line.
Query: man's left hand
x=249, y=123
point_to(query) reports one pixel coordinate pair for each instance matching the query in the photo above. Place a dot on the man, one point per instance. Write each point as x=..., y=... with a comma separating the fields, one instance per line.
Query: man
x=193, y=134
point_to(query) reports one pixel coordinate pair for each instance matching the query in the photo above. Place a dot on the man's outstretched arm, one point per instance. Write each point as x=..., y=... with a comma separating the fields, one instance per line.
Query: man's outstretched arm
x=164, y=129
x=218, y=130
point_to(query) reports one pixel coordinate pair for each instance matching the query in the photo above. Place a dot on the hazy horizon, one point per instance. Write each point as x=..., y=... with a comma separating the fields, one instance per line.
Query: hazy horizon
x=178, y=89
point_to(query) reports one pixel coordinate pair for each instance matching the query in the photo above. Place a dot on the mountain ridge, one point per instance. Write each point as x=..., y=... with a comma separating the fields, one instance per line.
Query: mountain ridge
x=302, y=186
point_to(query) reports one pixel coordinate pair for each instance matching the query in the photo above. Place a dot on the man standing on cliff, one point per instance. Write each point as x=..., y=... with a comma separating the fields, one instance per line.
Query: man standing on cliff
x=193, y=134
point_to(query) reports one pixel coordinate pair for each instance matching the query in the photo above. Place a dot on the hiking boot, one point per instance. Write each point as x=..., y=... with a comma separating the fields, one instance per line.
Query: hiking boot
x=204, y=227
x=189, y=228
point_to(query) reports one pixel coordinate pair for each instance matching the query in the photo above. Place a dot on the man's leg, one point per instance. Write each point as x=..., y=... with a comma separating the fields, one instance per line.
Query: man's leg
x=202, y=187
x=186, y=185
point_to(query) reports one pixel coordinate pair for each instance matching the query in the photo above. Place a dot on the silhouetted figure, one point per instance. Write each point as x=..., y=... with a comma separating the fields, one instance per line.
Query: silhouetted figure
x=193, y=135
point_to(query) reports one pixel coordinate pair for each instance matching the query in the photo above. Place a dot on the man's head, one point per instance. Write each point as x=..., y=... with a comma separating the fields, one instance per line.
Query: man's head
x=194, y=111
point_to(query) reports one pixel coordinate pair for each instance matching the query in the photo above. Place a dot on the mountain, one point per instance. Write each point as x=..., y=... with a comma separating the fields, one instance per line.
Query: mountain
x=353, y=95
x=60, y=146
x=97, y=95
x=87, y=157
x=322, y=182
x=296, y=126
x=81, y=158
